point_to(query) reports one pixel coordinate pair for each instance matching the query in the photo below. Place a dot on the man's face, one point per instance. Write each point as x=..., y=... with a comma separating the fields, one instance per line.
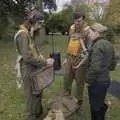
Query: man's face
x=37, y=26
x=78, y=21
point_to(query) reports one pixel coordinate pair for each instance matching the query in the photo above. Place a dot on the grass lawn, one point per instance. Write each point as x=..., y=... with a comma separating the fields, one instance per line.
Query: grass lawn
x=12, y=105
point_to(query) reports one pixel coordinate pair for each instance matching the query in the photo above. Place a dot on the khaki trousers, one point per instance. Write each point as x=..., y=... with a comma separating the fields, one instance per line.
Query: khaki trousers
x=33, y=102
x=78, y=74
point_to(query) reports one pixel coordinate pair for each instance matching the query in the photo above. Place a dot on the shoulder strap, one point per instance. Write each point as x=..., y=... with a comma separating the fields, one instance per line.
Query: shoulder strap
x=16, y=42
x=15, y=39
x=18, y=34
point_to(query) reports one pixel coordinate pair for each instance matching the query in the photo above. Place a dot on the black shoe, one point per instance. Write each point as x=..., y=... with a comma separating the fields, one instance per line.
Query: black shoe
x=103, y=111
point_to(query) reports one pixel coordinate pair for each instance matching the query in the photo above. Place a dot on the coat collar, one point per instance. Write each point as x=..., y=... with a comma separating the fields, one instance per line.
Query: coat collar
x=22, y=27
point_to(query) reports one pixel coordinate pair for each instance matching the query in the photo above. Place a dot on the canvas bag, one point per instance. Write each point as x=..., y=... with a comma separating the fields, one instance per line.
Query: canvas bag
x=67, y=104
x=41, y=78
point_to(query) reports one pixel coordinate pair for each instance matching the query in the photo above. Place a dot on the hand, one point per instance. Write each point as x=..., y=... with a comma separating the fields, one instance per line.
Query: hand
x=41, y=56
x=87, y=84
x=64, y=62
x=50, y=61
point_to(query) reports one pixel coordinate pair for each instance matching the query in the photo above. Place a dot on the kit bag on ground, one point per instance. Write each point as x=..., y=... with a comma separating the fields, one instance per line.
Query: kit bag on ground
x=67, y=104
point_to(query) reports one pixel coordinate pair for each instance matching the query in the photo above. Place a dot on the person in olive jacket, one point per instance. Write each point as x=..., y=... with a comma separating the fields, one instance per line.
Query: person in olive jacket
x=29, y=59
x=100, y=61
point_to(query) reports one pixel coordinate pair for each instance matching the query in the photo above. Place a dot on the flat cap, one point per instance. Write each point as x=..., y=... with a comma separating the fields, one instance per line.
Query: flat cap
x=99, y=27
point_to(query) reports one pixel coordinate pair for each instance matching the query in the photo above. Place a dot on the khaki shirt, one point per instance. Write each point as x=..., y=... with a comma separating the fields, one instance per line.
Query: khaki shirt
x=27, y=49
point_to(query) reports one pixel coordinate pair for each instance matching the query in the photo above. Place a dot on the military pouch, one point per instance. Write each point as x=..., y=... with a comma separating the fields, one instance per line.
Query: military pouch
x=41, y=78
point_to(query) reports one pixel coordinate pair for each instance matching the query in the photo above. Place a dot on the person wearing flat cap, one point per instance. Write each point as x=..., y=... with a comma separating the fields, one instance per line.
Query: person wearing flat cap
x=100, y=61
x=29, y=59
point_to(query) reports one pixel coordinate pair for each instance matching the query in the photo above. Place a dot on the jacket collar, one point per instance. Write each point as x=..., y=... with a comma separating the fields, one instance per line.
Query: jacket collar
x=22, y=27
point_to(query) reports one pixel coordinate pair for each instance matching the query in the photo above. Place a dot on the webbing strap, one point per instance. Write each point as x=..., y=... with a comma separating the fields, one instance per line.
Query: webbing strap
x=15, y=39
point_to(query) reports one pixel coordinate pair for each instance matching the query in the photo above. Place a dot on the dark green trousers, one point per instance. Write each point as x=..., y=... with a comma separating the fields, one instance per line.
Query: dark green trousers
x=79, y=75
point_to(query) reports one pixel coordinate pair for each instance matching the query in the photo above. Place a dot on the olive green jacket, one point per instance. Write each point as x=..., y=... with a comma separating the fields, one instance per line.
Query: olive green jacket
x=101, y=60
x=28, y=50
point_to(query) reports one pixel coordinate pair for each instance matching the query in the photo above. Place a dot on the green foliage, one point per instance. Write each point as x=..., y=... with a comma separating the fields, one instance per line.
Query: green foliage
x=60, y=21
x=12, y=9
x=112, y=17
x=3, y=26
x=11, y=13
x=67, y=15
x=112, y=20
